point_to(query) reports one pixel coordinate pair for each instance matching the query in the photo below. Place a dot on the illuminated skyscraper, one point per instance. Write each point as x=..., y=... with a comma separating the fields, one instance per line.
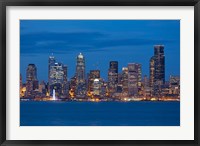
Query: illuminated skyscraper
x=112, y=76
x=114, y=66
x=94, y=74
x=31, y=79
x=65, y=83
x=80, y=76
x=31, y=72
x=65, y=73
x=139, y=79
x=125, y=80
x=134, y=74
x=157, y=70
x=96, y=87
x=146, y=89
x=56, y=78
x=80, y=68
x=56, y=74
x=51, y=62
x=151, y=71
x=159, y=64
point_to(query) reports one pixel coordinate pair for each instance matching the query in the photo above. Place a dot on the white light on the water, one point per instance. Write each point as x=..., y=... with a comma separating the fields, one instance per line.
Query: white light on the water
x=54, y=94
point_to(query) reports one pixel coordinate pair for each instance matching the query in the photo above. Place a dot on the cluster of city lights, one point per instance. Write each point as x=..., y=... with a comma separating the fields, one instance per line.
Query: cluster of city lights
x=127, y=85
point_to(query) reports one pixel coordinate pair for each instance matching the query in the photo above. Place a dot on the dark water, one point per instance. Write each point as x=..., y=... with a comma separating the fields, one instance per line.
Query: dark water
x=100, y=113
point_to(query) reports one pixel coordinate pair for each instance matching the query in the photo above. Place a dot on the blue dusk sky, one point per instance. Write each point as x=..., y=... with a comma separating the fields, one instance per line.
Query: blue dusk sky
x=100, y=41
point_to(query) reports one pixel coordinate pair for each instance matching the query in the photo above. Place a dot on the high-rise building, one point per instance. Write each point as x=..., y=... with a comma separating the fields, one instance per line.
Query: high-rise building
x=65, y=73
x=157, y=70
x=56, y=78
x=134, y=81
x=139, y=79
x=125, y=80
x=31, y=79
x=114, y=66
x=159, y=58
x=158, y=73
x=112, y=76
x=94, y=74
x=80, y=68
x=146, y=87
x=96, y=87
x=56, y=74
x=80, y=76
x=119, y=85
x=65, y=82
x=151, y=71
x=51, y=62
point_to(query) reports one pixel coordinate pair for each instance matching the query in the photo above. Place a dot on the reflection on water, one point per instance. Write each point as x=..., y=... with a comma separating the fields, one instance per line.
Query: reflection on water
x=100, y=113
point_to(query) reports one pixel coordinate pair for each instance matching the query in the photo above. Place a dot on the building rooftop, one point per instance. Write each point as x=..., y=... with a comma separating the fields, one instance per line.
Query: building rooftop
x=80, y=55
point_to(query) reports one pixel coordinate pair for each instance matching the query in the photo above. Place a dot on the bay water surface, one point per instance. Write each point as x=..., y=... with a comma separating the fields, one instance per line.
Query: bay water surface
x=140, y=113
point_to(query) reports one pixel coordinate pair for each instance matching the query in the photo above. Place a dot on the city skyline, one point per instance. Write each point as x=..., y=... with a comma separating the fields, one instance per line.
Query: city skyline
x=105, y=43
x=125, y=84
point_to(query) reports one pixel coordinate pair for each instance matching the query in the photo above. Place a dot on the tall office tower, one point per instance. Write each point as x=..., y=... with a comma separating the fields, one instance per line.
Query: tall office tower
x=96, y=87
x=159, y=66
x=133, y=78
x=146, y=88
x=119, y=85
x=94, y=74
x=65, y=83
x=151, y=71
x=80, y=68
x=56, y=74
x=120, y=78
x=125, y=80
x=65, y=73
x=51, y=62
x=139, y=79
x=31, y=79
x=114, y=66
x=112, y=76
x=80, y=76
x=159, y=63
x=56, y=78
